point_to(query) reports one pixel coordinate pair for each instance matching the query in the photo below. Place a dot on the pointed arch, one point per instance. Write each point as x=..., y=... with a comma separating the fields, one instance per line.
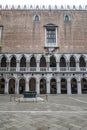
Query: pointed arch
x=62, y=62
x=23, y=61
x=42, y=62
x=21, y=85
x=12, y=86
x=84, y=86
x=13, y=62
x=72, y=61
x=43, y=88
x=63, y=86
x=33, y=62
x=4, y=62
x=2, y=86
x=82, y=62
x=32, y=84
x=73, y=86
x=52, y=61
x=53, y=86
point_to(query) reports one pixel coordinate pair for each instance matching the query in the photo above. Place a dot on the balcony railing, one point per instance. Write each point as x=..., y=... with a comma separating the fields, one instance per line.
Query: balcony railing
x=13, y=69
x=72, y=68
x=22, y=68
x=63, y=68
x=82, y=68
x=41, y=69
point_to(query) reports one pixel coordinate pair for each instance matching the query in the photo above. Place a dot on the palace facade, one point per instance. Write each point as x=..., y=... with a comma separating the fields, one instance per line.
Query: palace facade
x=43, y=50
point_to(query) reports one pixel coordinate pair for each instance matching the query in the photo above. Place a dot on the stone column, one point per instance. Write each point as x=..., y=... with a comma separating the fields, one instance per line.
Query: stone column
x=18, y=66
x=38, y=86
x=17, y=86
x=69, y=87
x=38, y=67
x=77, y=66
x=79, y=87
x=6, y=87
x=67, y=66
x=48, y=86
x=27, y=85
x=8, y=65
x=58, y=67
x=58, y=87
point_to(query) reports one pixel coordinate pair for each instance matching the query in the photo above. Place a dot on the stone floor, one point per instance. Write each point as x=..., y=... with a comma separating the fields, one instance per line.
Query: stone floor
x=59, y=112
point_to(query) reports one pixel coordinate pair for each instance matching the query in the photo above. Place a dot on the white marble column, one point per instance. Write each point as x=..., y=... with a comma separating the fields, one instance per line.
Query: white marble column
x=69, y=87
x=38, y=87
x=77, y=66
x=17, y=86
x=8, y=65
x=48, y=86
x=38, y=66
x=6, y=87
x=58, y=67
x=58, y=87
x=18, y=66
x=79, y=87
x=27, y=85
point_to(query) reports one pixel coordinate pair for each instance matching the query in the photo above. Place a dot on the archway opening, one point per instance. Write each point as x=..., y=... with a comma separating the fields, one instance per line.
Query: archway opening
x=42, y=86
x=62, y=62
x=82, y=62
x=42, y=62
x=3, y=62
x=52, y=61
x=53, y=86
x=72, y=62
x=63, y=86
x=33, y=62
x=11, y=86
x=2, y=86
x=84, y=86
x=74, y=86
x=32, y=84
x=21, y=86
x=13, y=62
x=23, y=62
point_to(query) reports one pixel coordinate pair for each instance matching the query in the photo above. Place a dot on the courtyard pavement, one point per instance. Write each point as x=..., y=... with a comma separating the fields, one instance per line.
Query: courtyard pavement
x=59, y=112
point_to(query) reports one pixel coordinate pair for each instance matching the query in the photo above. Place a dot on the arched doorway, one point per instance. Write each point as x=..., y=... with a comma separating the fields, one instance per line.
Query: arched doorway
x=84, y=86
x=63, y=86
x=43, y=86
x=2, y=86
x=12, y=86
x=21, y=86
x=53, y=86
x=74, y=86
x=32, y=84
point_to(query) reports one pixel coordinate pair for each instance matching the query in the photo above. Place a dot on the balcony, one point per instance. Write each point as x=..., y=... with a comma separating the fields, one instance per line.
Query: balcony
x=42, y=69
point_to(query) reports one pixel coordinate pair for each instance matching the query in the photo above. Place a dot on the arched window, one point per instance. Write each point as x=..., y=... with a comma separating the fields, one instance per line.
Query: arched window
x=52, y=61
x=62, y=62
x=3, y=62
x=82, y=62
x=72, y=62
x=33, y=62
x=66, y=18
x=13, y=62
x=36, y=17
x=42, y=62
x=23, y=62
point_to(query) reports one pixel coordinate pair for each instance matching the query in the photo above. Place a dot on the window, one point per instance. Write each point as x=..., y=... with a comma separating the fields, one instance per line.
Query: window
x=36, y=17
x=50, y=35
x=66, y=18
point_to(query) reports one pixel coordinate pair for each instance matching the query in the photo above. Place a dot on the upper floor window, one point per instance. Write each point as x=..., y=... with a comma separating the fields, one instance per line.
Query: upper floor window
x=66, y=18
x=50, y=35
x=36, y=17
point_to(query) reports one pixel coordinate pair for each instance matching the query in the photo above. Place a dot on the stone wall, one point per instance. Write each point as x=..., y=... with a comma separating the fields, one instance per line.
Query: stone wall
x=22, y=34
